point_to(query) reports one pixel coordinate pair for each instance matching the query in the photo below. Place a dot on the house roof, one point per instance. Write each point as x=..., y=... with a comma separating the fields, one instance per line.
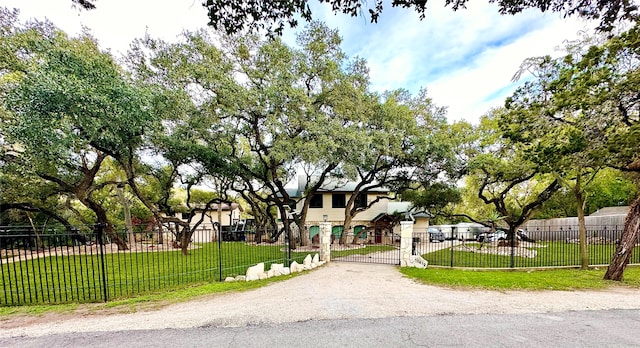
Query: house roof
x=400, y=207
x=214, y=206
x=623, y=210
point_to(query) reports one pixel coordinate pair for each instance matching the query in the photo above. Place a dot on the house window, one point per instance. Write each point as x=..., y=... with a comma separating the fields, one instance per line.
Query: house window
x=338, y=200
x=187, y=216
x=316, y=201
x=361, y=200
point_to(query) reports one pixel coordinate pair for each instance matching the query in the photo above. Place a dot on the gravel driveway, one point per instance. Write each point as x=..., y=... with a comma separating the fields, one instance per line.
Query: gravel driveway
x=334, y=291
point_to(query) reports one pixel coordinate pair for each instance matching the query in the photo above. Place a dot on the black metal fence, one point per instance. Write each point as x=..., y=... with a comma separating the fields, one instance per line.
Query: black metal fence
x=536, y=248
x=382, y=248
x=88, y=265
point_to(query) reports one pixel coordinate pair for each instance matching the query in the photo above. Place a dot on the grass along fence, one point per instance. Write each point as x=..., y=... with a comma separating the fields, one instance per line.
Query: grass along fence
x=59, y=267
x=549, y=248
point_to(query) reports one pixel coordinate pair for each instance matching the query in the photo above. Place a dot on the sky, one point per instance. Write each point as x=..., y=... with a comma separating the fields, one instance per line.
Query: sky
x=465, y=59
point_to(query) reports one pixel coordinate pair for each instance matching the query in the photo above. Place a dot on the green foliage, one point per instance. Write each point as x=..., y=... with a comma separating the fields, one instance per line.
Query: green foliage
x=66, y=105
x=579, y=109
x=608, y=188
x=503, y=177
x=235, y=16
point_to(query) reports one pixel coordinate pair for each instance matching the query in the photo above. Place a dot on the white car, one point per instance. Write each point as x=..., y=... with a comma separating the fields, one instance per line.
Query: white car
x=491, y=237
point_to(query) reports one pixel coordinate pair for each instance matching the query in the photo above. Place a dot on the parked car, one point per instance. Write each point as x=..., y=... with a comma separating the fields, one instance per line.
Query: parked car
x=435, y=234
x=491, y=237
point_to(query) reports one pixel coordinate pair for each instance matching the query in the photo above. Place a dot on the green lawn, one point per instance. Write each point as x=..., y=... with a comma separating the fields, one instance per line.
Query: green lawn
x=548, y=254
x=80, y=278
x=556, y=279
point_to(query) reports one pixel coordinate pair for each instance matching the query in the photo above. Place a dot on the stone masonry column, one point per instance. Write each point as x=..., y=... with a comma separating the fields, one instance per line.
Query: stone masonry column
x=406, y=242
x=325, y=241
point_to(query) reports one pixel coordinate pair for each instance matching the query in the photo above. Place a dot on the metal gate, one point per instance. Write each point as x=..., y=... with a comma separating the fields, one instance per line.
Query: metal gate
x=375, y=247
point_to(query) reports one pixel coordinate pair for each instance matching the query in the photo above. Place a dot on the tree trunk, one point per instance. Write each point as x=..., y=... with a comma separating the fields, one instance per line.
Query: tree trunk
x=101, y=218
x=302, y=231
x=286, y=222
x=186, y=239
x=258, y=238
x=582, y=236
x=628, y=241
x=111, y=232
x=346, y=227
x=35, y=231
x=582, y=228
x=582, y=232
x=127, y=215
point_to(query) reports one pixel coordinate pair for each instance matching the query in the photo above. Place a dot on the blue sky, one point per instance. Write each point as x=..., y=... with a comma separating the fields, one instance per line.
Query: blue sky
x=465, y=59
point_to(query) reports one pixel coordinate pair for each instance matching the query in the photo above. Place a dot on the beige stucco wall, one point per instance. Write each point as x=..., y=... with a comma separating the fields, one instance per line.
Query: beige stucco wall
x=336, y=215
x=421, y=224
x=212, y=217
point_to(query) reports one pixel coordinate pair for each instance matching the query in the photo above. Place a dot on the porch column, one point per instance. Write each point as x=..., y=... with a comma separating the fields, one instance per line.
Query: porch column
x=406, y=242
x=325, y=241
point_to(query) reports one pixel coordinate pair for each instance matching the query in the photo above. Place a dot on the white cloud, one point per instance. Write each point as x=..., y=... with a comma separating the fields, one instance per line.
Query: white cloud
x=472, y=90
x=466, y=58
x=115, y=23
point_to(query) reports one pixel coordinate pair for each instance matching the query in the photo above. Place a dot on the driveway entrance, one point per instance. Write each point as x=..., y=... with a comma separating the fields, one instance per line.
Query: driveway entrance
x=383, y=249
x=337, y=290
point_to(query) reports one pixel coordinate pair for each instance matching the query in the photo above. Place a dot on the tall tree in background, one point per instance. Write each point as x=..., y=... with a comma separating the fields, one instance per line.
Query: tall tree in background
x=191, y=147
x=405, y=150
x=590, y=96
x=564, y=145
x=297, y=106
x=68, y=106
x=505, y=179
x=256, y=110
x=609, y=188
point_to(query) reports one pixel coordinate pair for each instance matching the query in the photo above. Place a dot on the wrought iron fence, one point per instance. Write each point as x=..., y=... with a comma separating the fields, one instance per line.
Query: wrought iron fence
x=535, y=248
x=383, y=248
x=89, y=265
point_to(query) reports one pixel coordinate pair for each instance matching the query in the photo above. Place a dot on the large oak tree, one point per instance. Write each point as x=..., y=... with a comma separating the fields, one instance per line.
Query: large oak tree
x=582, y=110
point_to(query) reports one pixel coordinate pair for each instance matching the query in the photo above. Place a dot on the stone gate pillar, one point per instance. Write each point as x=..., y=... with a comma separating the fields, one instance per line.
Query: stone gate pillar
x=325, y=241
x=406, y=242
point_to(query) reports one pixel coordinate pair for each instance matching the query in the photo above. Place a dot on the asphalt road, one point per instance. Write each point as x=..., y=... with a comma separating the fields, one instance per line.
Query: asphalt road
x=608, y=328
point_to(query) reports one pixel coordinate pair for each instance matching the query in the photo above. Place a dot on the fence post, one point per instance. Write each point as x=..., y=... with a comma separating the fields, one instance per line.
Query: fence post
x=289, y=248
x=325, y=241
x=406, y=242
x=99, y=239
x=451, y=254
x=513, y=246
x=220, y=250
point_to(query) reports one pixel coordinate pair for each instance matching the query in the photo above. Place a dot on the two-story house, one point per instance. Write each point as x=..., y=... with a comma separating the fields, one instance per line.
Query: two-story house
x=375, y=224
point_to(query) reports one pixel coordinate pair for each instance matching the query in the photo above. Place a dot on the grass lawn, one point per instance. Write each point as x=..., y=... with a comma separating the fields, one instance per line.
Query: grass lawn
x=71, y=278
x=80, y=278
x=547, y=254
x=553, y=279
